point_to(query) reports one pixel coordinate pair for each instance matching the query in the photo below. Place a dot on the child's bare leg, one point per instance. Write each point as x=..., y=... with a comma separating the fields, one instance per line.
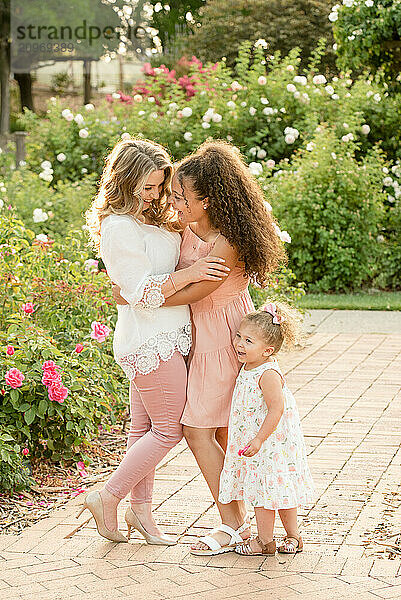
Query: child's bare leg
x=289, y=519
x=265, y=523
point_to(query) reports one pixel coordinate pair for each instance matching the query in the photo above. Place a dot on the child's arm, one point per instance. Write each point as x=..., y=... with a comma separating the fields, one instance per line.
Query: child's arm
x=271, y=386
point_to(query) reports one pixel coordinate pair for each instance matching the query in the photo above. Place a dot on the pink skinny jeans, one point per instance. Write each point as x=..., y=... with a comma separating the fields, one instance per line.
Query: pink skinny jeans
x=157, y=401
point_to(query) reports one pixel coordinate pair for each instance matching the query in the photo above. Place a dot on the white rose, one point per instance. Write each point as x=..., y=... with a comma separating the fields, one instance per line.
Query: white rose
x=256, y=168
x=365, y=129
x=252, y=111
x=264, y=101
x=79, y=120
x=137, y=98
x=84, y=170
x=205, y=125
x=291, y=88
x=61, y=157
x=261, y=153
x=333, y=16
x=301, y=79
x=1, y=203
x=187, y=111
x=177, y=144
x=329, y=89
x=387, y=181
x=289, y=138
x=319, y=80
x=39, y=215
x=285, y=237
x=369, y=3
x=290, y=68
x=270, y=163
x=46, y=176
x=385, y=170
x=42, y=237
x=377, y=97
x=262, y=80
x=46, y=164
x=83, y=133
x=115, y=96
x=310, y=146
x=89, y=106
x=216, y=118
x=268, y=111
x=235, y=86
x=348, y=3
x=252, y=151
x=126, y=136
x=65, y=112
x=188, y=136
x=231, y=104
x=151, y=99
x=153, y=115
x=297, y=95
x=335, y=96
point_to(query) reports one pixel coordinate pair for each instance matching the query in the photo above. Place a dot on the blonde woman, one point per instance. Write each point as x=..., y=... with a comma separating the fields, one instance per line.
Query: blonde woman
x=131, y=225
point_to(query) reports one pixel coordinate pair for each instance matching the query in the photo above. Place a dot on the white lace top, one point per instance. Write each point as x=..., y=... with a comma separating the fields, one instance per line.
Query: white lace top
x=139, y=258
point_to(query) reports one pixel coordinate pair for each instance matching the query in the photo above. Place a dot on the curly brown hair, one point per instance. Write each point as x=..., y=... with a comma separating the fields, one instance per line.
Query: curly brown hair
x=125, y=173
x=236, y=206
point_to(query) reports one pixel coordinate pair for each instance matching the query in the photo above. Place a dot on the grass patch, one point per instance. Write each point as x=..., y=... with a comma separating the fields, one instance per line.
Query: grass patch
x=357, y=301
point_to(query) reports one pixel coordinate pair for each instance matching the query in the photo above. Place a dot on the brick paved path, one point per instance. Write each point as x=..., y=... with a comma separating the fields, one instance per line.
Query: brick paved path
x=348, y=391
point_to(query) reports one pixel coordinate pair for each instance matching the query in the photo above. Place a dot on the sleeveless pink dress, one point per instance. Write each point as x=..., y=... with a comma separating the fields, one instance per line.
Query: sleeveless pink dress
x=213, y=364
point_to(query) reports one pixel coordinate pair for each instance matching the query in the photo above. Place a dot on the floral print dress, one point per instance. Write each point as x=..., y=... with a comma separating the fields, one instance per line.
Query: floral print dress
x=278, y=475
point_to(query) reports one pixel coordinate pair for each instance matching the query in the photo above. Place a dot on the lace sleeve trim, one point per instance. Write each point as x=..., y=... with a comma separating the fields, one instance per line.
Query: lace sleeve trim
x=159, y=347
x=152, y=296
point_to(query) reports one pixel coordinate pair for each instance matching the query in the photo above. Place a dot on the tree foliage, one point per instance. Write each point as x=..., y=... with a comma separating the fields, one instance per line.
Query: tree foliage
x=284, y=24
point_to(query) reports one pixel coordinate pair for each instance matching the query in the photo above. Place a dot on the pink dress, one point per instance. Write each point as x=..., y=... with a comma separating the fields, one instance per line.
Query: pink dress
x=213, y=364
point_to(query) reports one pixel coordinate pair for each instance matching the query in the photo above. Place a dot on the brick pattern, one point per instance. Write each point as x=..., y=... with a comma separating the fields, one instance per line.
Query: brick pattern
x=348, y=389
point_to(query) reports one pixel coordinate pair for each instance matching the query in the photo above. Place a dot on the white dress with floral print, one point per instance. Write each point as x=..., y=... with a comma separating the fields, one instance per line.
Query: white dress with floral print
x=278, y=475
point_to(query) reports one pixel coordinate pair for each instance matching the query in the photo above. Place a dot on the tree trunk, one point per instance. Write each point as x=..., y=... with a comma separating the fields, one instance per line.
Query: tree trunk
x=24, y=81
x=5, y=68
x=87, y=81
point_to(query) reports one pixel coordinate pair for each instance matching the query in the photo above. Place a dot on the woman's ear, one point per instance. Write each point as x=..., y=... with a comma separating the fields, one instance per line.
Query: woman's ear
x=205, y=202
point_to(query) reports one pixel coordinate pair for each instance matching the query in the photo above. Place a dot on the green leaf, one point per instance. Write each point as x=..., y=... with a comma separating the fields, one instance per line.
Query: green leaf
x=42, y=408
x=29, y=416
x=14, y=395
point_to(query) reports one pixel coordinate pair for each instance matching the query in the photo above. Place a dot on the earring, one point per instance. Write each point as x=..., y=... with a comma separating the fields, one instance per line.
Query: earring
x=204, y=207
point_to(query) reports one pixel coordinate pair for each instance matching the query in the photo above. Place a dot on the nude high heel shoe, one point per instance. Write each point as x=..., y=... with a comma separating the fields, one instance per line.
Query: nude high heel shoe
x=134, y=523
x=93, y=503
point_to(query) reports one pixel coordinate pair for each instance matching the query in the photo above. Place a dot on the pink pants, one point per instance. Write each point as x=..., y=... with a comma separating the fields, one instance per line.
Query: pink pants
x=157, y=401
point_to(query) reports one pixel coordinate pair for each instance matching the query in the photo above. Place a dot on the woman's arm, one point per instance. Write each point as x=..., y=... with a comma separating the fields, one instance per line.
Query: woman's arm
x=271, y=386
x=127, y=264
x=197, y=291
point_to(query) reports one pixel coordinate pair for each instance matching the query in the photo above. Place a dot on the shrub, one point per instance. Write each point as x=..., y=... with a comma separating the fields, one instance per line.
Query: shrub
x=14, y=471
x=367, y=33
x=333, y=205
x=49, y=301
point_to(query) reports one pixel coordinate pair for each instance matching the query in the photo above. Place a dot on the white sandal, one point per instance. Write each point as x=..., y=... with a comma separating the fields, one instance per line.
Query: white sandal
x=215, y=547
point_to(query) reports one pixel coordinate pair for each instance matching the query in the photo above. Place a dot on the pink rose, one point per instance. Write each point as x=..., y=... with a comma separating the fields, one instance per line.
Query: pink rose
x=50, y=377
x=99, y=331
x=28, y=308
x=57, y=392
x=14, y=378
x=25, y=451
x=80, y=465
x=10, y=350
x=79, y=348
x=49, y=365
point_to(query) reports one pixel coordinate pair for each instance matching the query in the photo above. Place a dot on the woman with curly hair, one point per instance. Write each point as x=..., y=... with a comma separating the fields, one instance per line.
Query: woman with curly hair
x=136, y=233
x=223, y=209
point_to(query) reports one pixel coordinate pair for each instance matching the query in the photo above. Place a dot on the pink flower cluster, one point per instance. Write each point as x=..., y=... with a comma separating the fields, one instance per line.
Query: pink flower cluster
x=52, y=380
x=99, y=331
x=188, y=83
x=14, y=378
x=81, y=469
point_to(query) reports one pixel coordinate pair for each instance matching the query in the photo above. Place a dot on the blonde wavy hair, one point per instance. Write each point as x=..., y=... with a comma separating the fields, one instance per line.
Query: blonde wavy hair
x=124, y=176
x=287, y=332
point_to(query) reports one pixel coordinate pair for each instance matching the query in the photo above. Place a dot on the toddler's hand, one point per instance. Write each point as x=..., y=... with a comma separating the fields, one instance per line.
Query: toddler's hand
x=252, y=448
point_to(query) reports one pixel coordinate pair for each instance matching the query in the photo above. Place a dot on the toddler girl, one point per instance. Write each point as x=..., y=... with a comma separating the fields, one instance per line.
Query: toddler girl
x=265, y=462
